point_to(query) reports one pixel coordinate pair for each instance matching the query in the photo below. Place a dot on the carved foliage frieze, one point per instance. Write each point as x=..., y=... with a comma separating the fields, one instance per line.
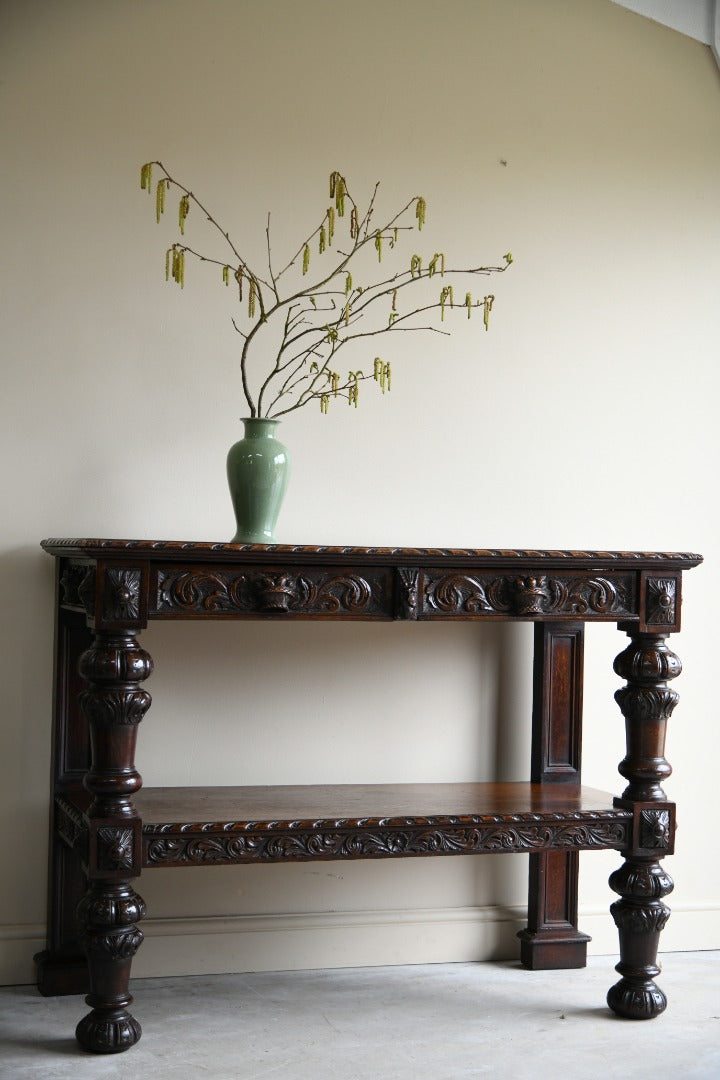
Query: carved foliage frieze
x=301, y=592
x=379, y=841
x=640, y=918
x=116, y=946
x=115, y=706
x=529, y=595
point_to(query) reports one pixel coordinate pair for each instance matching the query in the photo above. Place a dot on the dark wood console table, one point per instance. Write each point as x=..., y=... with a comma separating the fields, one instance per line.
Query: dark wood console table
x=105, y=830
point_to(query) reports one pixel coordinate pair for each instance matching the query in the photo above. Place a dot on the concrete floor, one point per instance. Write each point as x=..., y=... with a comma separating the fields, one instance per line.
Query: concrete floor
x=433, y=1022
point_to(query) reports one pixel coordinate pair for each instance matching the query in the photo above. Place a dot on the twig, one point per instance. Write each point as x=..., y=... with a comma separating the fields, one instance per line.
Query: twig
x=314, y=333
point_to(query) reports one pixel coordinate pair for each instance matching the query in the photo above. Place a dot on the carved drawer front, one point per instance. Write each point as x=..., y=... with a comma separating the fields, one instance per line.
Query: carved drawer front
x=529, y=595
x=216, y=591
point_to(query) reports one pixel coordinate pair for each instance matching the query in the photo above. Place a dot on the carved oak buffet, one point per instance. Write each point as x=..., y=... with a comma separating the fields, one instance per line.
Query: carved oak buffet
x=105, y=830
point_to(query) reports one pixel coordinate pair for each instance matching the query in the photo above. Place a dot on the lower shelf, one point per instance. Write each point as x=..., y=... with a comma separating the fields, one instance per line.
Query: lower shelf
x=210, y=826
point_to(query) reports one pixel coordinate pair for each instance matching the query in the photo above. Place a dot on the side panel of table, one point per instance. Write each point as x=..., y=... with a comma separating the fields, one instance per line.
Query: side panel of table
x=62, y=966
x=552, y=938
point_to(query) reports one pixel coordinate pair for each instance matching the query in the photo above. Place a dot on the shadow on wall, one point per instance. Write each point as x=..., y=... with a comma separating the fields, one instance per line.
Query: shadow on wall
x=337, y=703
x=271, y=702
x=512, y=721
x=27, y=588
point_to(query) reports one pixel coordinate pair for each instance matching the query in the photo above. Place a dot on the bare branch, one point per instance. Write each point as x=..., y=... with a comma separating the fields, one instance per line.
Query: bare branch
x=319, y=320
x=240, y=332
x=225, y=235
x=269, y=258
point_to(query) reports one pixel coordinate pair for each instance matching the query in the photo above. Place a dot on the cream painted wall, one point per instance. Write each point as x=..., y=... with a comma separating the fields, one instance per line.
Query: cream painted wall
x=580, y=136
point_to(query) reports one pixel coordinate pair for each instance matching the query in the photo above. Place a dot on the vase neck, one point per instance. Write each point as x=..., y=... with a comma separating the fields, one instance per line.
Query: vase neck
x=260, y=427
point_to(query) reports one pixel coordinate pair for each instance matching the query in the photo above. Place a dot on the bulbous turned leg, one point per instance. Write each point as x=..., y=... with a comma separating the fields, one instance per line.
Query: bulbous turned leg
x=113, y=704
x=640, y=914
x=111, y=939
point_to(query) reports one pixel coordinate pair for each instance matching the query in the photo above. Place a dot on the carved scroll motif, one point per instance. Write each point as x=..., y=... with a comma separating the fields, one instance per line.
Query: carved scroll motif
x=540, y=594
x=462, y=593
x=225, y=591
x=198, y=591
x=351, y=593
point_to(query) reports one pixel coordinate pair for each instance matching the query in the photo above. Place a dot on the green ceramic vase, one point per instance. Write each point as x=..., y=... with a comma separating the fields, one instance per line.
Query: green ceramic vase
x=258, y=468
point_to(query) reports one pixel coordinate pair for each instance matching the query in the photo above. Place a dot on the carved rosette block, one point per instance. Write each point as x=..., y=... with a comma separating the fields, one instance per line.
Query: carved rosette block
x=114, y=705
x=640, y=915
x=661, y=601
x=121, y=598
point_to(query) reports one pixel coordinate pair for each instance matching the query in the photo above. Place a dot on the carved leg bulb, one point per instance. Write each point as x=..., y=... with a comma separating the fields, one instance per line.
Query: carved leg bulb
x=108, y=914
x=114, y=705
x=646, y=703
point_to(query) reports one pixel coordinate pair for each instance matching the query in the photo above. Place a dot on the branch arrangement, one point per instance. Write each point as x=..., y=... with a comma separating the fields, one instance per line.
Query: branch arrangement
x=318, y=315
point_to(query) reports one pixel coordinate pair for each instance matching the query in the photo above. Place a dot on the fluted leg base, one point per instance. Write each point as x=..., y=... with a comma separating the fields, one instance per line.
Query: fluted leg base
x=636, y=999
x=108, y=1032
